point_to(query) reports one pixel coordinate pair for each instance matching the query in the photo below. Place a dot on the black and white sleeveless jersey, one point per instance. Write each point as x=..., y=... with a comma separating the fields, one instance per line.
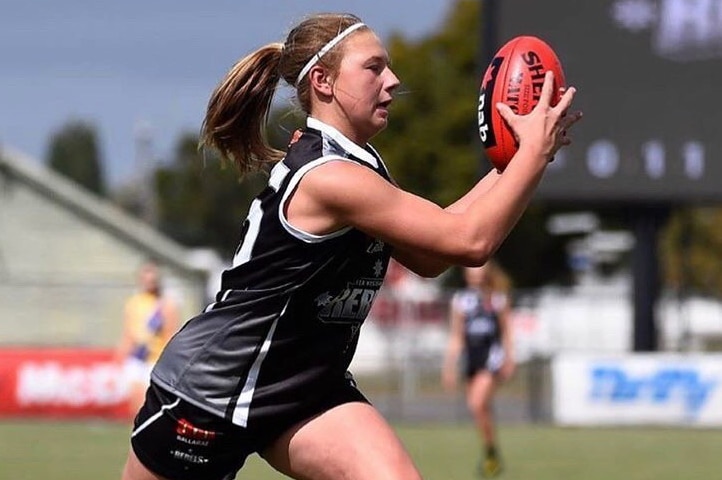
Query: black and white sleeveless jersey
x=482, y=333
x=285, y=324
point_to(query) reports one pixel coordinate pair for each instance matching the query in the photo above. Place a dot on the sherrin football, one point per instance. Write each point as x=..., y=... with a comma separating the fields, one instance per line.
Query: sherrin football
x=515, y=77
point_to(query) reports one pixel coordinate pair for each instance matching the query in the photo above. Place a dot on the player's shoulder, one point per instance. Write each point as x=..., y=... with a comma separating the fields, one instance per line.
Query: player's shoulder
x=467, y=293
x=342, y=179
x=133, y=299
x=304, y=145
x=168, y=302
x=465, y=299
x=310, y=153
x=499, y=300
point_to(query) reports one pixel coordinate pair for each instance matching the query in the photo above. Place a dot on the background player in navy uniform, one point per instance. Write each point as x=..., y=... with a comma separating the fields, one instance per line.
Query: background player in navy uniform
x=264, y=368
x=480, y=329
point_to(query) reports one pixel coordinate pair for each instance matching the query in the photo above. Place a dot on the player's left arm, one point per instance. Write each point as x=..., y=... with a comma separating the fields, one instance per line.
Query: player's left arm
x=430, y=267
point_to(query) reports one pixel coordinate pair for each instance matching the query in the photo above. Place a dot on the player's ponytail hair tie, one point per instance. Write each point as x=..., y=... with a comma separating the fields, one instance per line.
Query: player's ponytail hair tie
x=325, y=49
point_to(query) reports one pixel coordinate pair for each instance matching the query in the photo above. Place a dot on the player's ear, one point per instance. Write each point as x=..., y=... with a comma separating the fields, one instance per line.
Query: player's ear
x=320, y=80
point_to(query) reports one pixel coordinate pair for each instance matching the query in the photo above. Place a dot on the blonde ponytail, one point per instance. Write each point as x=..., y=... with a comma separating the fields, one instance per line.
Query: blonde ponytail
x=238, y=109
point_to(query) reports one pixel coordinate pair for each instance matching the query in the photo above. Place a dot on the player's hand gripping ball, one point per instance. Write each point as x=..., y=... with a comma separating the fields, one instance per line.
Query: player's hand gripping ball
x=514, y=77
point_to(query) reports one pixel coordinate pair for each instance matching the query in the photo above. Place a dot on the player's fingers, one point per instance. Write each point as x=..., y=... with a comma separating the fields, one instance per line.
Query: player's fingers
x=508, y=115
x=569, y=119
x=547, y=90
x=505, y=111
x=566, y=100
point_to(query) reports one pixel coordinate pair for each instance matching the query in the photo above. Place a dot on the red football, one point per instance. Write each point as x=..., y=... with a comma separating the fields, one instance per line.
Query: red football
x=515, y=77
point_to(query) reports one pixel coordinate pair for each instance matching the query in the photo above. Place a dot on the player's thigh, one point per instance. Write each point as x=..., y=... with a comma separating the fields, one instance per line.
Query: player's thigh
x=480, y=390
x=350, y=441
x=134, y=470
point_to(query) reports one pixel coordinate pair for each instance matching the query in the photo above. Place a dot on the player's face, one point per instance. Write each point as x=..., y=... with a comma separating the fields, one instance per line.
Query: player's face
x=149, y=278
x=363, y=86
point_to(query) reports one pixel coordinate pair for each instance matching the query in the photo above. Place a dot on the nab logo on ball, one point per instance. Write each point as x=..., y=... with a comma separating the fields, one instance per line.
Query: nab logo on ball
x=485, y=107
x=515, y=77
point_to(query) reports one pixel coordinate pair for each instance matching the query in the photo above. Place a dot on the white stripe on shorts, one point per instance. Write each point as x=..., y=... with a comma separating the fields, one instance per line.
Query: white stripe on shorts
x=154, y=417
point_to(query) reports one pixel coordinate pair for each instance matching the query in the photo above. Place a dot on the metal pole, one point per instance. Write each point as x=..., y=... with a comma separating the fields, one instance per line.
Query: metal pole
x=647, y=221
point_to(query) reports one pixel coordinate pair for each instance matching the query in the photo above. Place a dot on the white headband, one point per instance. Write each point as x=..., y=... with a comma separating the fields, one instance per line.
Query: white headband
x=334, y=41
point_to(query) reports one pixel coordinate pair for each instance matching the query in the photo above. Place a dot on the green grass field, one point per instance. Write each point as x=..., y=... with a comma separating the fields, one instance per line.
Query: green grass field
x=85, y=451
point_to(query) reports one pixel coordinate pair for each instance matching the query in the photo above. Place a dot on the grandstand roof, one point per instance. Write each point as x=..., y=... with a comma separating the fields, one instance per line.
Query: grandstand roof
x=95, y=209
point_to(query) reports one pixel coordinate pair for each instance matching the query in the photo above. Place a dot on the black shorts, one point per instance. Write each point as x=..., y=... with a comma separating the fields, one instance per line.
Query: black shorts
x=179, y=441
x=488, y=357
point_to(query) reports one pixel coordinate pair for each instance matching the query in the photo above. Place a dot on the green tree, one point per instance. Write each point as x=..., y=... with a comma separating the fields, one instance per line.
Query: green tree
x=200, y=200
x=432, y=146
x=431, y=143
x=691, y=250
x=74, y=152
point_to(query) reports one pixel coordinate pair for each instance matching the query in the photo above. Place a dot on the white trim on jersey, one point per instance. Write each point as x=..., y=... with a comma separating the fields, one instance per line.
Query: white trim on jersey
x=223, y=299
x=381, y=161
x=154, y=417
x=243, y=406
x=349, y=147
x=297, y=232
x=343, y=141
x=278, y=173
x=255, y=214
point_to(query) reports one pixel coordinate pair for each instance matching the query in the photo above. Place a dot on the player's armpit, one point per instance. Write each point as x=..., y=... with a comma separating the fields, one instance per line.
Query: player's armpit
x=421, y=264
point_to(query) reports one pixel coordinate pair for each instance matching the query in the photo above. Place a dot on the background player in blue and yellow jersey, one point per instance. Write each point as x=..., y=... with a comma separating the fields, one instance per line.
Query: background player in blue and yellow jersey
x=480, y=329
x=149, y=320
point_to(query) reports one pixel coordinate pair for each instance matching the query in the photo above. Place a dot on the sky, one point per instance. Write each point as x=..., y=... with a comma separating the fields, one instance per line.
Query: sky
x=137, y=68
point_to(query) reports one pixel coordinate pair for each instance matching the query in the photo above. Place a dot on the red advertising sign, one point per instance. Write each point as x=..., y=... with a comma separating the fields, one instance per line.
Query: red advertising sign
x=389, y=311
x=61, y=383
